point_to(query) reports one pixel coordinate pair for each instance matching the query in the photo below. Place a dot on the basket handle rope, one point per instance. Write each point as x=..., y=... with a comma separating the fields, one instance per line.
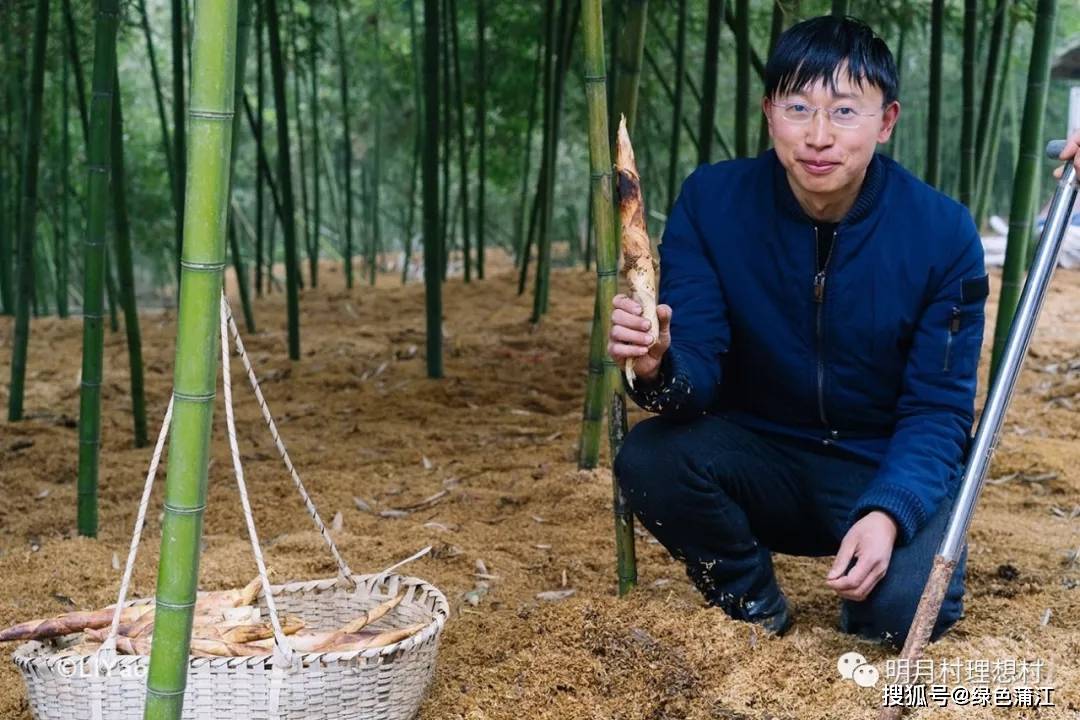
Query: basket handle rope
x=343, y=567
x=108, y=648
x=283, y=653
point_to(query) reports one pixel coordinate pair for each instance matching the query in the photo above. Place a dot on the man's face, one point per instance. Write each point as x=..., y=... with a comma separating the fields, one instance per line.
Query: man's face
x=824, y=161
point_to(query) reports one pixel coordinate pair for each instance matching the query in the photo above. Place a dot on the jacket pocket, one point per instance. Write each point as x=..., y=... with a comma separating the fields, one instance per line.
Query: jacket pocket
x=950, y=338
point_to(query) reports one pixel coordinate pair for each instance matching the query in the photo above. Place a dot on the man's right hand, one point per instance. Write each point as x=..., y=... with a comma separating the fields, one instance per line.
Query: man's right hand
x=631, y=336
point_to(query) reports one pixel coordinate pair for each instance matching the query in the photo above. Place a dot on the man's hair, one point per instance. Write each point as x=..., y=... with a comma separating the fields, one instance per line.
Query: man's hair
x=814, y=50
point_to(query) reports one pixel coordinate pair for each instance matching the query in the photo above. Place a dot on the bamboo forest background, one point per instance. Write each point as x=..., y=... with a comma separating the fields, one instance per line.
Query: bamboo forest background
x=353, y=81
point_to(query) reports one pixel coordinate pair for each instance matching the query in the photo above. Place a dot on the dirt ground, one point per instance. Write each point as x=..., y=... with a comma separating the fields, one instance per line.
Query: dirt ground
x=500, y=432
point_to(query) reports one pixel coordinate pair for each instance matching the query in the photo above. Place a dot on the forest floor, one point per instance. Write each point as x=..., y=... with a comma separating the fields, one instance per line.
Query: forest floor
x=500, y=432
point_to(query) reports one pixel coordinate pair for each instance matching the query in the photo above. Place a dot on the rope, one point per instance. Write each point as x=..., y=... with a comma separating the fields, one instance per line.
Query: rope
x=343, y=567
x=109, y=646
x=280, y=643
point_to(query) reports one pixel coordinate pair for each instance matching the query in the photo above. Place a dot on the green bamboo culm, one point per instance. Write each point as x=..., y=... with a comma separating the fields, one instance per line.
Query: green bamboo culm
x=677, y=104
x=993, y=133
x=987, y=101
x=629, y=58
x=65, y=190
x=210, y=120
x=179, y=149
x=432, y=245
x=933, y=130
x=1022, y=210
x=967, y=129
x=97, y=201
x=125, y=271
x=243, y=32
x=742, y=78
x=292, y=281
x=605, y=383
x=346, y=142
x=707, y=114
x=28, y=215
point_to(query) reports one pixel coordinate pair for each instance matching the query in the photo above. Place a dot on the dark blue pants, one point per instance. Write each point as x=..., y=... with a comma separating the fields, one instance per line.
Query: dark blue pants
x=722, y=499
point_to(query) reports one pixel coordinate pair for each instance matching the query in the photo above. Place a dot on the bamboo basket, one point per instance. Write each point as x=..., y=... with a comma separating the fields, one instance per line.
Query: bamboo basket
x=383, y=683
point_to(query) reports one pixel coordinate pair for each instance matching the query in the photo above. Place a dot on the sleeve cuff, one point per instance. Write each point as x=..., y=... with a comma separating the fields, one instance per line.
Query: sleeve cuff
x=668, y=394
x=902, y=504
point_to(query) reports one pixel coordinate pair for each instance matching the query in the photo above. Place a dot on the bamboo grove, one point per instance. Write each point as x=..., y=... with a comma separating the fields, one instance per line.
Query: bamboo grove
x=428, y=139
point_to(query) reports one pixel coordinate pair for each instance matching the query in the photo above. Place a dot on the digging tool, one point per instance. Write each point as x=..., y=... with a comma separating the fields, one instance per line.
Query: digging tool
x=997, y=402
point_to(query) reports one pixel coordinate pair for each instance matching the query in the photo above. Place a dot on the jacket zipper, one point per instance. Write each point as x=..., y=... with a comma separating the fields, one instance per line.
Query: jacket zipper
x=819, y=300
x=954, y=326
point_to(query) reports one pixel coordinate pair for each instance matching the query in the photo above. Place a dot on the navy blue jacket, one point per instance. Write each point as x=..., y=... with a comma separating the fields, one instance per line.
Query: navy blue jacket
x=876, y=356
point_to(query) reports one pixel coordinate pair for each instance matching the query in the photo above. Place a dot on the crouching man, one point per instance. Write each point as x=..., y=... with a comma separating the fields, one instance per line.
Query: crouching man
x=814, y=372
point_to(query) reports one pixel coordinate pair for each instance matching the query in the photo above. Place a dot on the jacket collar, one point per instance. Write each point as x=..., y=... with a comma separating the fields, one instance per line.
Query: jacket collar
x=869, y=193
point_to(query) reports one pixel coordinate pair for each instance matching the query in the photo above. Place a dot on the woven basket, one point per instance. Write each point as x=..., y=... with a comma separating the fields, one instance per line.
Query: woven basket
x=386, y=683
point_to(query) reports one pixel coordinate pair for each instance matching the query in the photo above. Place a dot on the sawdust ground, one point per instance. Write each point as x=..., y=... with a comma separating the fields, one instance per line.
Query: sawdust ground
x=500, y=431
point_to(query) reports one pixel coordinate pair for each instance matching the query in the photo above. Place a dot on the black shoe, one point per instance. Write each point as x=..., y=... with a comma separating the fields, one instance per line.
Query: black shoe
x=767, y=608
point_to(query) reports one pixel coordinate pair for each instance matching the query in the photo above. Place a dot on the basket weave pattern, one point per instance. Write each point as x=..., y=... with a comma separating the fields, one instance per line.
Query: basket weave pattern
x=386, y=683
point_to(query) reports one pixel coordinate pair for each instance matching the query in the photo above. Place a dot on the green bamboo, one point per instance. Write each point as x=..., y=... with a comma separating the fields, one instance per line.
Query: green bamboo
x=546, y=192
x=97, y=196
x=288, y=222
x=124, y=269
x=316, y=204
x=111, y=291
x=677, y=104
x=991, y=136
x=432, y=259
x=986, y=102
x=933, y=130
x=346, y=145
x=418, y=139
x=214, y=39
x=742, y=78
x=243, y=31
x=159, y=100
x=445, y=228
x=28, y=216
x=523, y=202
x=62, y=266
x=179, y=133
x=725, y=147
x=755, y=59
x=776, y=26
x=257, y=132
x=76, y=68
x=708, y=84
x=463, y=152
x=967, y=128
x=481, y=117
x=629, y=58
x=6, y=41
x=1022, y=211
x=376, y=174
x=605, y=384
x=301, y=143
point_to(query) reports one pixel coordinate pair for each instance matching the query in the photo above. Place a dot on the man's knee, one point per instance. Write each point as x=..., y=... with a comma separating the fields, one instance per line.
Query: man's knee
x=636, y=467
x=888, y=612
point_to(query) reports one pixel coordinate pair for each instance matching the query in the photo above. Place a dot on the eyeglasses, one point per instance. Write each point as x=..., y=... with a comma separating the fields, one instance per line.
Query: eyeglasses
x=842, y=117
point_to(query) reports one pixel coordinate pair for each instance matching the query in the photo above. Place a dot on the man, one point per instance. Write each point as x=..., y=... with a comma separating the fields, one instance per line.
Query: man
x=814, y=372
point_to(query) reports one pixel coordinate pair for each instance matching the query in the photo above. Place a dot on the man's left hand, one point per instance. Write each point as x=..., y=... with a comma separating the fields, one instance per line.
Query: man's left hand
x=1072, y=150
x=871, y=541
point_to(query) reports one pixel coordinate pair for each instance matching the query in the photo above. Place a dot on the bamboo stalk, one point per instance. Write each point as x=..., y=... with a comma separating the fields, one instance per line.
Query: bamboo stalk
x=432, y=250
x=288, y=222
x=28, y=215
x=708, y=83
x=967, y=129
x=98, y=154
x=124, y=269
x=347, y=144
x=481, y=133
x=179, y=132
x=1022, y=211
x=933, y=129
x=214, y=40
